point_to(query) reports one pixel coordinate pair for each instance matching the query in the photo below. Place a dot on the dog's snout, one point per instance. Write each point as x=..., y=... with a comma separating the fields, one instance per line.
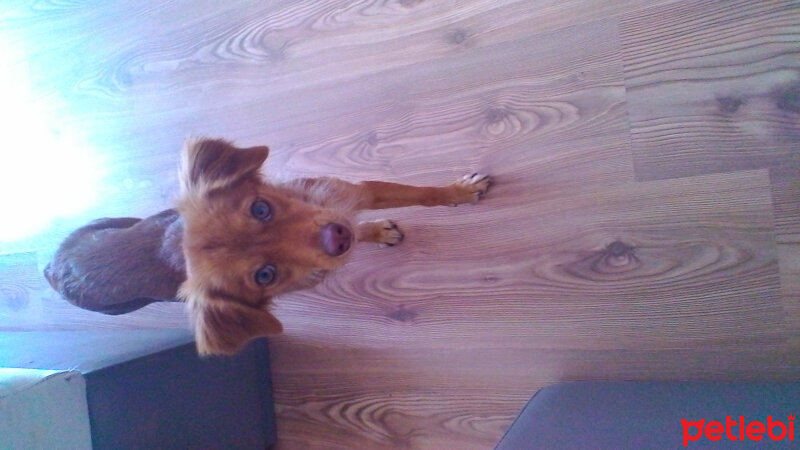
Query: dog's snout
x=336, y=239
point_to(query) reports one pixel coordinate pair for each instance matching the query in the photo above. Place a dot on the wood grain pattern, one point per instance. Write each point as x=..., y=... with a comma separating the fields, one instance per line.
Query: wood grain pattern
x=465, y=398
x=713, y=86
x=644, y=224
x=786, y=204
x=541, y=289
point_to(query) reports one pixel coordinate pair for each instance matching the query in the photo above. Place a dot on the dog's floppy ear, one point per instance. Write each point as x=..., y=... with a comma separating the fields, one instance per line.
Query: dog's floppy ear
x=222, y=326
x=208, y=164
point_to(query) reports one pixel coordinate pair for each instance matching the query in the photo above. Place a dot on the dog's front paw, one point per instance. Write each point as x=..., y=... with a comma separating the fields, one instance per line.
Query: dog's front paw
x=471, y=188
x=390, y=234
x=384, y=232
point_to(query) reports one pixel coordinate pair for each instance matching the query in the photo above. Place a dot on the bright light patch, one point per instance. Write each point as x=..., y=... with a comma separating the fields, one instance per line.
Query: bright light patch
x=46, y=171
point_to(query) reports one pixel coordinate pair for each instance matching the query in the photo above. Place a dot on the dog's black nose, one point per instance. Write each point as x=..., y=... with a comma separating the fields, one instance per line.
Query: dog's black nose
x=336, y=239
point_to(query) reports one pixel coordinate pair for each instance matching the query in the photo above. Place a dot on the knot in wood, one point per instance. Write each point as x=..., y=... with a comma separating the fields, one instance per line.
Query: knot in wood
x=729, y=105
x=789, y=98
x=618, y=248
x=494, y=115
x=372, y=138
x=618, y=254
x=402, y=314
x=457, y=37
x=410, y=3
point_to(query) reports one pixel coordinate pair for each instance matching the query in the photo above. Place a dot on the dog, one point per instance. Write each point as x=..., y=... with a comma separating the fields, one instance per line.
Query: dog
x=234, y=243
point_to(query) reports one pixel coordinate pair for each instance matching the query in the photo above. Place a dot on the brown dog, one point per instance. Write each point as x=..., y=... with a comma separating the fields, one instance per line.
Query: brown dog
x=237, y=242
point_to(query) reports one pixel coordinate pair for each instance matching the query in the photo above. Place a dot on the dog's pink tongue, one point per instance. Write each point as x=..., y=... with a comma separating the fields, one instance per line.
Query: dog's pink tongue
x=336, y=239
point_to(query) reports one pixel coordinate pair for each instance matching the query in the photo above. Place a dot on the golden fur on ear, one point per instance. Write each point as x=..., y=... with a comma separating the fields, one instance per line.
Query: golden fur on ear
x=222, y=326
x=208, y=164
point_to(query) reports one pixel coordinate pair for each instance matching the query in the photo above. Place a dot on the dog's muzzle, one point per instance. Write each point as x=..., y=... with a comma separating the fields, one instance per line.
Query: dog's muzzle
x=336, y=239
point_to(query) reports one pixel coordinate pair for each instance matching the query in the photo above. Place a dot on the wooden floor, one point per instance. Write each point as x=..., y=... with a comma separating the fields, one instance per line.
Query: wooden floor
x=644, y=225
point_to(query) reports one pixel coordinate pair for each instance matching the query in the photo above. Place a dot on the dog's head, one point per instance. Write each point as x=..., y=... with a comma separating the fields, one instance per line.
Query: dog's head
x=246, y=241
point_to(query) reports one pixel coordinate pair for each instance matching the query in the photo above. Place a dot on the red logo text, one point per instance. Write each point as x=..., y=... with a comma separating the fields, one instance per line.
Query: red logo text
x=737, y=430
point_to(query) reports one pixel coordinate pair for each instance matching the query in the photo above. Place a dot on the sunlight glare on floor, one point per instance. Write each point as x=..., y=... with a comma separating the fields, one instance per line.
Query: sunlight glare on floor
x=47, y=171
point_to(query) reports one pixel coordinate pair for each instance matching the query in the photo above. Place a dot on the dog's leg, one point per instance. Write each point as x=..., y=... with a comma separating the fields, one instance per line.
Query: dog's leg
x=382, y=195
x=383, y=232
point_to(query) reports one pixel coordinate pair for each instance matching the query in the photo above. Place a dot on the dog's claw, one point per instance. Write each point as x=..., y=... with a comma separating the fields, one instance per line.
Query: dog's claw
x=473, y=187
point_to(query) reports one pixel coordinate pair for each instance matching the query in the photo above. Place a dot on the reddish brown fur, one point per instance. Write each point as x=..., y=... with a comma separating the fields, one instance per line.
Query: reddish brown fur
x=224, y=245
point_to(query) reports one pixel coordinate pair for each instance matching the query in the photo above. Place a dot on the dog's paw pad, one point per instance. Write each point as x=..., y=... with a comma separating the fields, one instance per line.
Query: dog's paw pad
x=473, y=187
x=390, y=234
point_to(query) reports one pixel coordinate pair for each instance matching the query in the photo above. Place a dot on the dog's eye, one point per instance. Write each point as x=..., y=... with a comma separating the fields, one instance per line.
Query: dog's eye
x=266, y=275
x=261, y=210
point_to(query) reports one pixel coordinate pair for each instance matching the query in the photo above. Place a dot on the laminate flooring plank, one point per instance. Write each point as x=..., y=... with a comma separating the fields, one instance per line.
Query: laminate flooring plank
x=786, y=204
x=713, y=86
x=147, y=44
x=665, y=264
x=449, y=398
